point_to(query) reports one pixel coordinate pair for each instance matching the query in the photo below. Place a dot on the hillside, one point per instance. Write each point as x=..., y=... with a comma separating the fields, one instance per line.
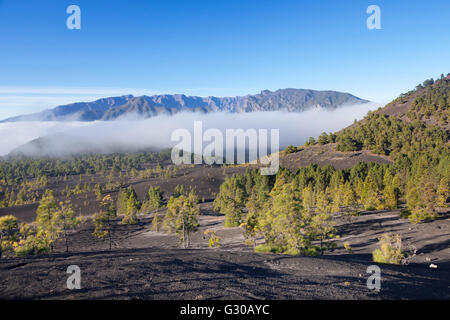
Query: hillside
x=291, y=100
x=429, y=102
x=415, y=124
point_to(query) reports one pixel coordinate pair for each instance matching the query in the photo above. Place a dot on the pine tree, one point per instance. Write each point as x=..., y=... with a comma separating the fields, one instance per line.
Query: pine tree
x=181, y=217
x=122, y=200
x=130, y=216
x=422, y=199
x=443, y=192
x=103, y=220
x=283, y=222
x=8, y=224
x=154, y=200
x=178, y=191
x=66, y=220
x=48, y=230
x=231, y=200
x=321, y=227
x=370, y=196
x=156, y=222
x=250, y=224
x=98, y=191
x=309, y=198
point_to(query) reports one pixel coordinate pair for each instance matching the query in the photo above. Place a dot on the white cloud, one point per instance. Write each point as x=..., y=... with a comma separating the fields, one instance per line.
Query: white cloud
x=295, y=128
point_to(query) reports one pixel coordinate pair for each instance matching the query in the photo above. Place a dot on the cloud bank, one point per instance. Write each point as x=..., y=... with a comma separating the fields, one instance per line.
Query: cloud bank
x=128, y=134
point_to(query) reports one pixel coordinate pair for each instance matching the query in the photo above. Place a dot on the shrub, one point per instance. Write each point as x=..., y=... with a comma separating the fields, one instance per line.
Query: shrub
x=348, y=247
x=405, y=213
x=266, y=248
x=421, y=215
x=390, y=251
x=290, y=149
x=292, y=252
x=8, y=223
x=214, y=240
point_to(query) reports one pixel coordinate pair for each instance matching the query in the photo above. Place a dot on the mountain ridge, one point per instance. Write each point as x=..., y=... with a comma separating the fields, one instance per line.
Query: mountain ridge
x=112, y=108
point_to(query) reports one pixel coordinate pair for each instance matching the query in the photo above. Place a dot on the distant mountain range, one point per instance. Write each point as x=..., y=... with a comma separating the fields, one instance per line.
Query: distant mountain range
x=290, y=100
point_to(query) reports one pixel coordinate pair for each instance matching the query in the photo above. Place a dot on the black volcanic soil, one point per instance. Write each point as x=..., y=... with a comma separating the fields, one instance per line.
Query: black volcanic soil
x=149, y=265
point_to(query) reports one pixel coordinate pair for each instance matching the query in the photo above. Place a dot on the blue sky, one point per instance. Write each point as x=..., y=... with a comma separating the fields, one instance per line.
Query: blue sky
x=215, y=47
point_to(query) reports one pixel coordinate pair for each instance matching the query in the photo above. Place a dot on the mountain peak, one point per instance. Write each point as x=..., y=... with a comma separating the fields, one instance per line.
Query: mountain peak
x=112, y=108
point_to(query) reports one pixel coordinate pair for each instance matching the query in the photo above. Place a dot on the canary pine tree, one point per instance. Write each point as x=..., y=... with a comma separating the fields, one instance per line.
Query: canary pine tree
x=154, y=200
x=231, y=200
x=370, y=196
x=48, y=229
x=443, y=192
x=181, y=217
x=66, y=220
x=130, y=216
x=103, y=220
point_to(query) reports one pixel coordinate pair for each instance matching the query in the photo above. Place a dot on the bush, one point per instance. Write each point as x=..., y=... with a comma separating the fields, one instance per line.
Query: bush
x=405, y=213
x=390, y=251
x=292, y=252
x=290, y=149
x=8, y=223
x=266, y=248
x=323, y=139
x=348, y=247
x=422, y=215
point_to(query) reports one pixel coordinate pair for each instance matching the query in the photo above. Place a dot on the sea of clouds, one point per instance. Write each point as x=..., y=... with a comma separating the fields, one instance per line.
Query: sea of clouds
x=133, y=133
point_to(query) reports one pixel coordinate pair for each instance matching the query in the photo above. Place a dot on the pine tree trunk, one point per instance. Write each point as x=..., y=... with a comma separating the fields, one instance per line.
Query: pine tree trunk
x=110, y=235
x=67, y=241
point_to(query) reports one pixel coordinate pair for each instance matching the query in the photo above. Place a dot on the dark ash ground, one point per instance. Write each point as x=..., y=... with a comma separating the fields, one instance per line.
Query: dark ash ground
x=148, y=265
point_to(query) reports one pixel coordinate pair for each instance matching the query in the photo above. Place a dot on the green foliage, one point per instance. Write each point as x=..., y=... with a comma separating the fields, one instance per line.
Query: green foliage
x=132, y=207
x=178, y=191
x=433, y=103
x=98, y=191
x=156, y=222
x=65, y=220
x=443, y=192
x=48, y=220
x=390, y=250
x=291, y=149
x=310, y=142
x=8, y=223
x=283, y=222
x=16, y=169
x=389, y=135
x=31, y=241
x=422, y=196
x=231, y=200
x=154, y=200
x=8, y=226
x=266, y=248
x=103, y=220
x=128, y=205
x=321, y=227
x=348, y=247
x=181, y=217
x=122, y=200
x=405, y=213
x=323, y=139
x=213, y=239
x=371, y=195
x=419, y=215
x=391, y=192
